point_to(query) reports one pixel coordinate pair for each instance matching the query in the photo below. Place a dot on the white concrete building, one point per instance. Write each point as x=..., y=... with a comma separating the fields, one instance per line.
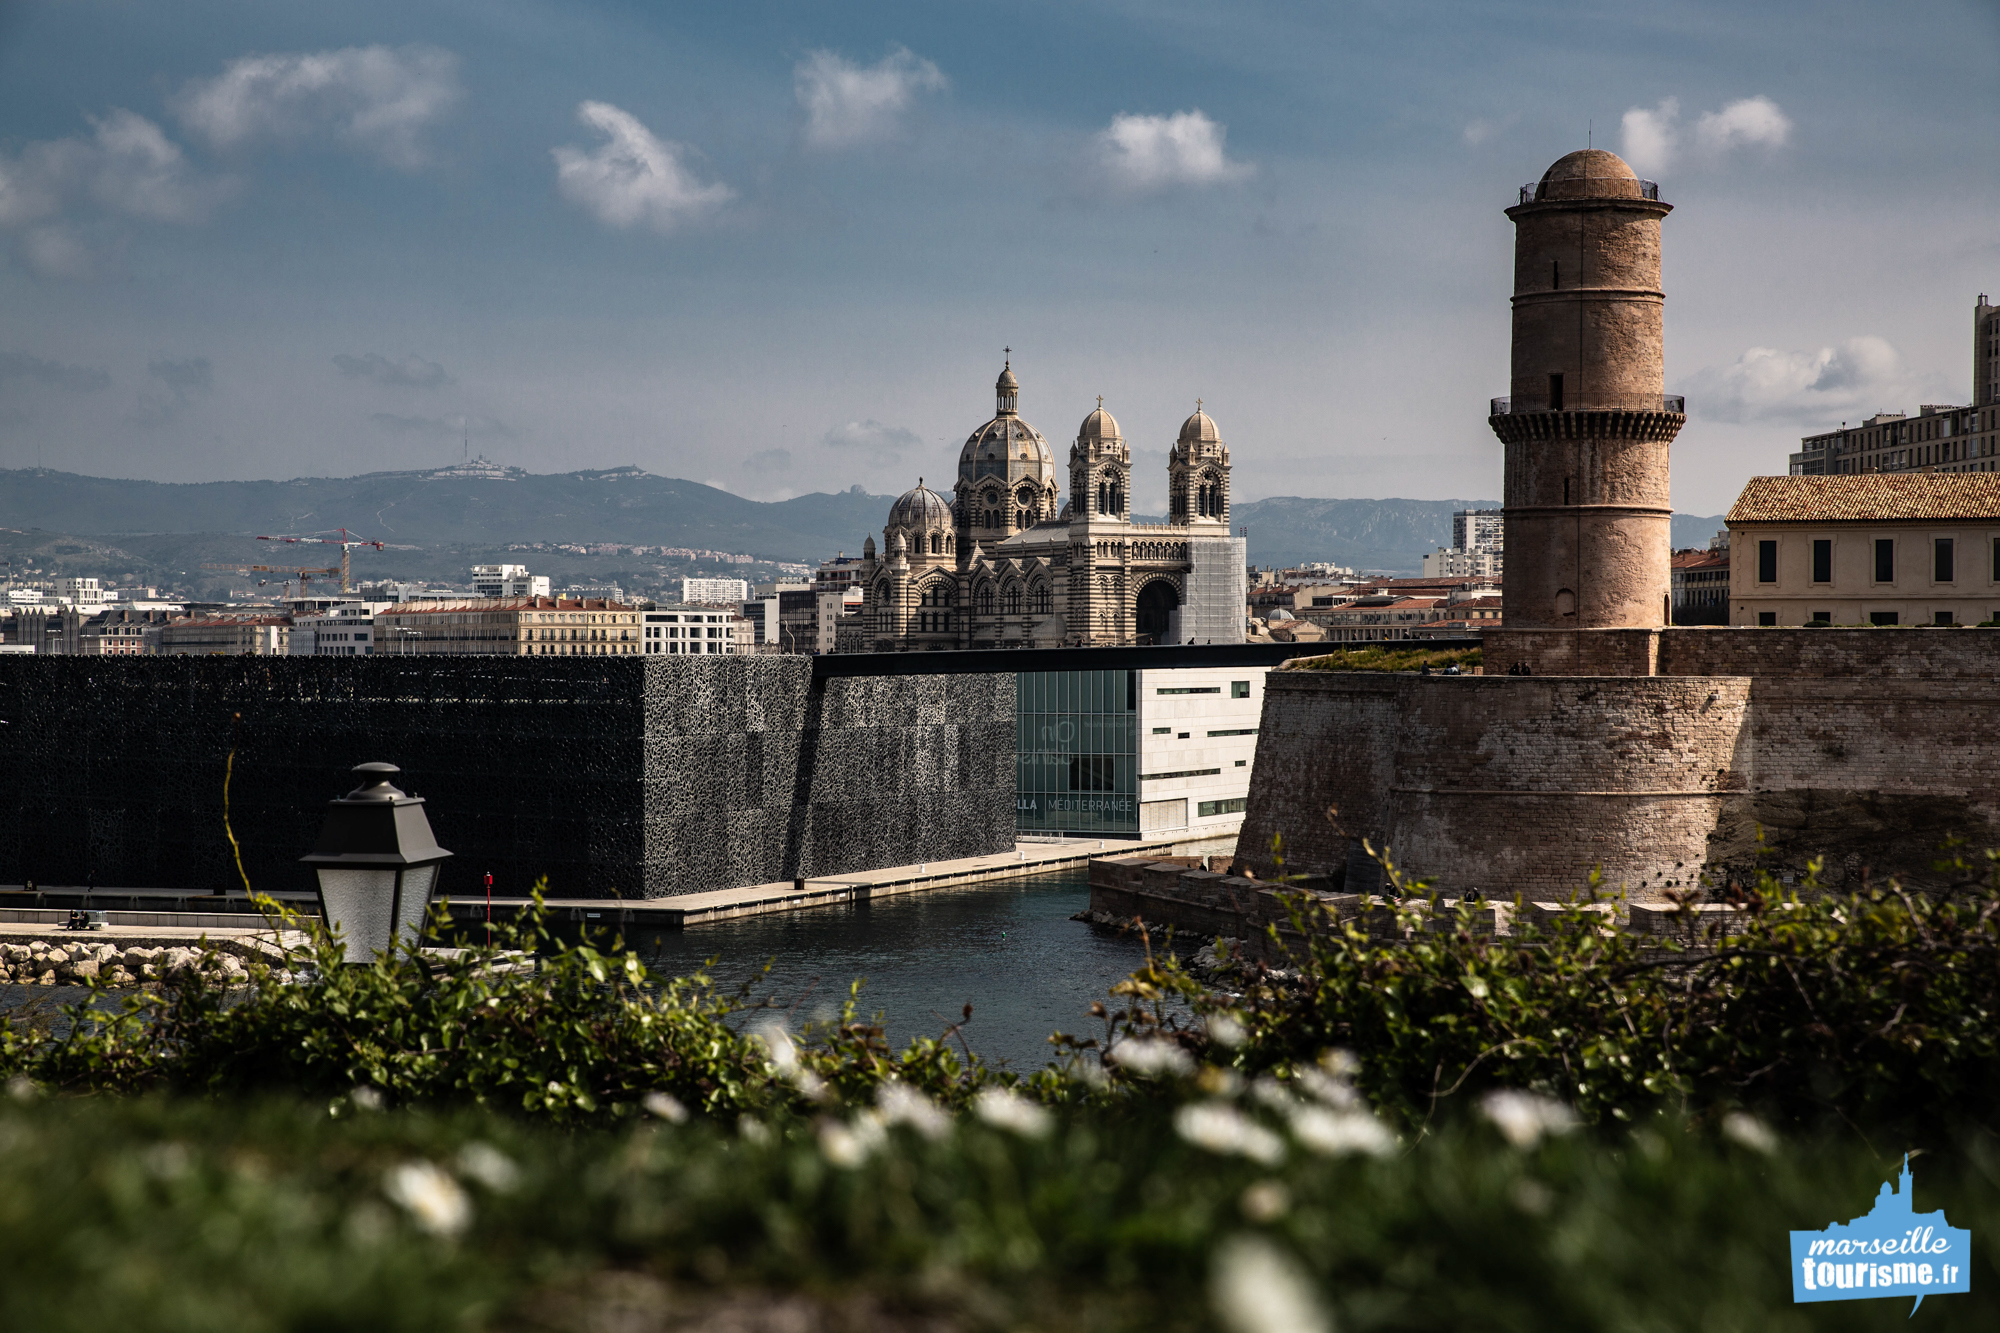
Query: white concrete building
x=340, y=630
x=715, y=592
x=82, y=594
x=1197, y=738
x=508, y=581
x=689, y=629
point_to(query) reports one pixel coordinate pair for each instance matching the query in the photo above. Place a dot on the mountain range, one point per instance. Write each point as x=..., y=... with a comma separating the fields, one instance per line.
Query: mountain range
x=483, y=506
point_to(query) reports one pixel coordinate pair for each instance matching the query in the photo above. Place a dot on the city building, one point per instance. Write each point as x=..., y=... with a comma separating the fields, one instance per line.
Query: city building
x=593, y=592
x=1452, y=562
x=999, y=565
x=121, y=631
x=508, y=581
x=715, y=592
x=513, y=627
x=249, y=635
x=340, y=629
x=1479, y=530
x=688, y=628
x=1701, y=587
x=1942, y=437
x=1124, y=753
x=838, y=574
x=1867, y=550
x=82, y=595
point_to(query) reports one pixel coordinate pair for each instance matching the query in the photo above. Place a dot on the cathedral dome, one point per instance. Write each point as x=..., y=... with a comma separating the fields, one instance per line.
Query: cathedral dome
x=1199, y=429
x=1006, y=446
x=1590, y=173
x=1099, y=425
x=920, y=509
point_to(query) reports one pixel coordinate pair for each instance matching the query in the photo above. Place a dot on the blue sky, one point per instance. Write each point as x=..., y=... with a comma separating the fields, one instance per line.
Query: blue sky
x=779, y=248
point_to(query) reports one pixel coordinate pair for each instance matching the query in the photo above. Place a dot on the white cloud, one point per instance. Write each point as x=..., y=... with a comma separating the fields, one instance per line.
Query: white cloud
x=1477, y=132
x=1754, y=120
x=411, y=372
x=884, y=446
x=848, y=104
x=126, y=167
x=1152, y=152
x=1651, y=137
x=374, y=98
x=1860, y=377
x=77, y=379
x=634, y=177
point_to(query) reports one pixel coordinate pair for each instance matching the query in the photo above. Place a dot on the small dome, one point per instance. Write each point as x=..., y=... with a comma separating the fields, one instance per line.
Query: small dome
x=1199, y=429
x=1591, y=173
x=1099, y=425
x=920, y=508
x=1007, y=383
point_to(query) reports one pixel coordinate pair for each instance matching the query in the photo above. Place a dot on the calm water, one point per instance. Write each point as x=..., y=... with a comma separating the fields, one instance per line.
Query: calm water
x=1009, y=949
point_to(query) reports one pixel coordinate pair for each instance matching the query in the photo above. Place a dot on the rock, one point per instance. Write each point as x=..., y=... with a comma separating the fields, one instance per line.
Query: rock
x=118, y=976
x=140, y=954
x=13, y=953
x=177, y=959
x=38, y=947
x=86, y=967
x=56, y=956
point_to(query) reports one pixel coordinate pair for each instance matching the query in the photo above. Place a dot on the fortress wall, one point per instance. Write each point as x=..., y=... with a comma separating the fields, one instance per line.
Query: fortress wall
x=631, y=777
x=1325, y=756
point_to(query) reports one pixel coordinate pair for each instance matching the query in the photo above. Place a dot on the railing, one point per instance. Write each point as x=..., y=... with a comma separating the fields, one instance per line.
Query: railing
x=1647, y=189
x=1668, y=402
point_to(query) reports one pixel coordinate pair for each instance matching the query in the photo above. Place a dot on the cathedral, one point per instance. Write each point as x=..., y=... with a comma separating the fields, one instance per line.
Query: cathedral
x=1004, y=563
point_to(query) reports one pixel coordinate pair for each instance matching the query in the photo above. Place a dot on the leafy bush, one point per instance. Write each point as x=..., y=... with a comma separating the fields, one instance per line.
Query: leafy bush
x=1873, y=1009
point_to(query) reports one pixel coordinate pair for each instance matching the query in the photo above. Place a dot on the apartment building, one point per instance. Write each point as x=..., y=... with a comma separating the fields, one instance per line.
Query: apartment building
x=250, y=635
x=686, y=628
x=1914, y=549
x=511, y=627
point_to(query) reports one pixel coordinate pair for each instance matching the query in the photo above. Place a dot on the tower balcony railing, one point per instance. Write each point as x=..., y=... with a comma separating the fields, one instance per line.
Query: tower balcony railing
x=1647, y=189
x=1666, y=402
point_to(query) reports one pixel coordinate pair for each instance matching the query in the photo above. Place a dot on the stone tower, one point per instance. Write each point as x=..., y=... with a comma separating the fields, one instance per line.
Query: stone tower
x=1586, y=426
x=1198, y=473
x=1100, y=469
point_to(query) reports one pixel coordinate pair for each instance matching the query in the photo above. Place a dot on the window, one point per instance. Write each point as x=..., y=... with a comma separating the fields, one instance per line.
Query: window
x=1941, y=561
x=1821, y=618
x=1238, y=731
x=1767, y=617
x=1822, y=570
x=1239, y=689
x=1241, y=763
x=1184, y=773
x=1881, y=617
x=1090, y=772
x=1996, y=559
x=1767, y=562
x=1235, y=805
x=1942, y=618
x=1163, y=731
x=1189, y=689
x=1556, y=393
x=1885, y=565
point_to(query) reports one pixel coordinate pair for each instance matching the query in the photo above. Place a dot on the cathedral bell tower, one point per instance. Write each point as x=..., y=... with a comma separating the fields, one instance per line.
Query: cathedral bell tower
x=1586, y=426
x=1198, y=474
x=1100, y=470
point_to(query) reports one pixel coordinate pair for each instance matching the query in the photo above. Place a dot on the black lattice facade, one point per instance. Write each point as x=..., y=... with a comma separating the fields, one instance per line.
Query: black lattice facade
x=640, y=778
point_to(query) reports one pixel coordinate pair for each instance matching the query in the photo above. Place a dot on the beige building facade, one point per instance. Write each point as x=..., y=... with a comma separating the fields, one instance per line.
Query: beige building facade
x=1908, y=549
x=227, y=636
x=511, y=627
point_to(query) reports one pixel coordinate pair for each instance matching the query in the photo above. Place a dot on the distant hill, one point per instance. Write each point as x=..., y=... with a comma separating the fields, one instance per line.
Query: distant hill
x=485, y=507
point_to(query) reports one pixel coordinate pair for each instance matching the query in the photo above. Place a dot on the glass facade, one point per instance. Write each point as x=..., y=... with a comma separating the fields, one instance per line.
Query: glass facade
x=1076, y=749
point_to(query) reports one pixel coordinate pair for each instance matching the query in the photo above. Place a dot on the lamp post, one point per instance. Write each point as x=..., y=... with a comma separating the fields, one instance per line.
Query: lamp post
x=377, y=864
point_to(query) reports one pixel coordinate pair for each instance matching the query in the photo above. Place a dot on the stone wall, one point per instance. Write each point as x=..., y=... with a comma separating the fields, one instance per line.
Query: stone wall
x=1864, y=749
x=640, y=777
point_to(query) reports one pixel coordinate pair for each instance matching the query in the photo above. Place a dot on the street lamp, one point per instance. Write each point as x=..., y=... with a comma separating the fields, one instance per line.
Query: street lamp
x=377, y=863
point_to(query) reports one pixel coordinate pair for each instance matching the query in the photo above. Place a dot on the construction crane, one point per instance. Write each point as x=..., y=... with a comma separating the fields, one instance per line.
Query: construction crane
x=304, y=576
x=346, y=541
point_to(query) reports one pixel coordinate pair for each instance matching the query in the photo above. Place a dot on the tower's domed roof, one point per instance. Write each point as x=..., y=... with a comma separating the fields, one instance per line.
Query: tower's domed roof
x=1099, y=425
x=1001, y=439
x=1006, y=383
x=920, y=507
x=1590, y=173
x=1199, y=429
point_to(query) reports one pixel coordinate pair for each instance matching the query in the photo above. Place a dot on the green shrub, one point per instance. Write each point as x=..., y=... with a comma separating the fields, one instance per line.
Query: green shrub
x=1388, y=659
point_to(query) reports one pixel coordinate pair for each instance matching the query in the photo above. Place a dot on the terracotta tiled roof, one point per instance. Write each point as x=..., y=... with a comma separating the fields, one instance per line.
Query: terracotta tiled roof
x=1702, y=559
x=1869, y=497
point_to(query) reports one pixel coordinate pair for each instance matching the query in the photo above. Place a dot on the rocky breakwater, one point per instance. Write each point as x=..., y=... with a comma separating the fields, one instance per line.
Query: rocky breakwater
x=41, y=962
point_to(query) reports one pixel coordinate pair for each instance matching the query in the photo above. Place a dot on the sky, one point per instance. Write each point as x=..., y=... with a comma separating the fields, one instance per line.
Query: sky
x=779, y=248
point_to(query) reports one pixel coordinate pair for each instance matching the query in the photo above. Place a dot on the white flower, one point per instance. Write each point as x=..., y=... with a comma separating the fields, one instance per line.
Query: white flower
x=431, y=1197
x=1151, y=1056
x=848, y=1145
x=785, y=1060
x=1334, y=1133
x=666, y=1106
x=1004, y=1108
x=1749, y=1131
x=367, y=1099
x=902, y=1104
x=1226, y=1030
x=489, y=1166
x=1221, y=1128
x=1523, y=1117
x=1333, y=1089
x=1266, y=1201
x=1256, y=1287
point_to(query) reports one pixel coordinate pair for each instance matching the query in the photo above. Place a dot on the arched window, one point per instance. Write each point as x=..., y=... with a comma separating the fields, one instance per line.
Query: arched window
x=985, y=599
x=1117, y=499
x=1010, y=600
x=1103, y=497
x=1040, y=600
x=937, y=544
